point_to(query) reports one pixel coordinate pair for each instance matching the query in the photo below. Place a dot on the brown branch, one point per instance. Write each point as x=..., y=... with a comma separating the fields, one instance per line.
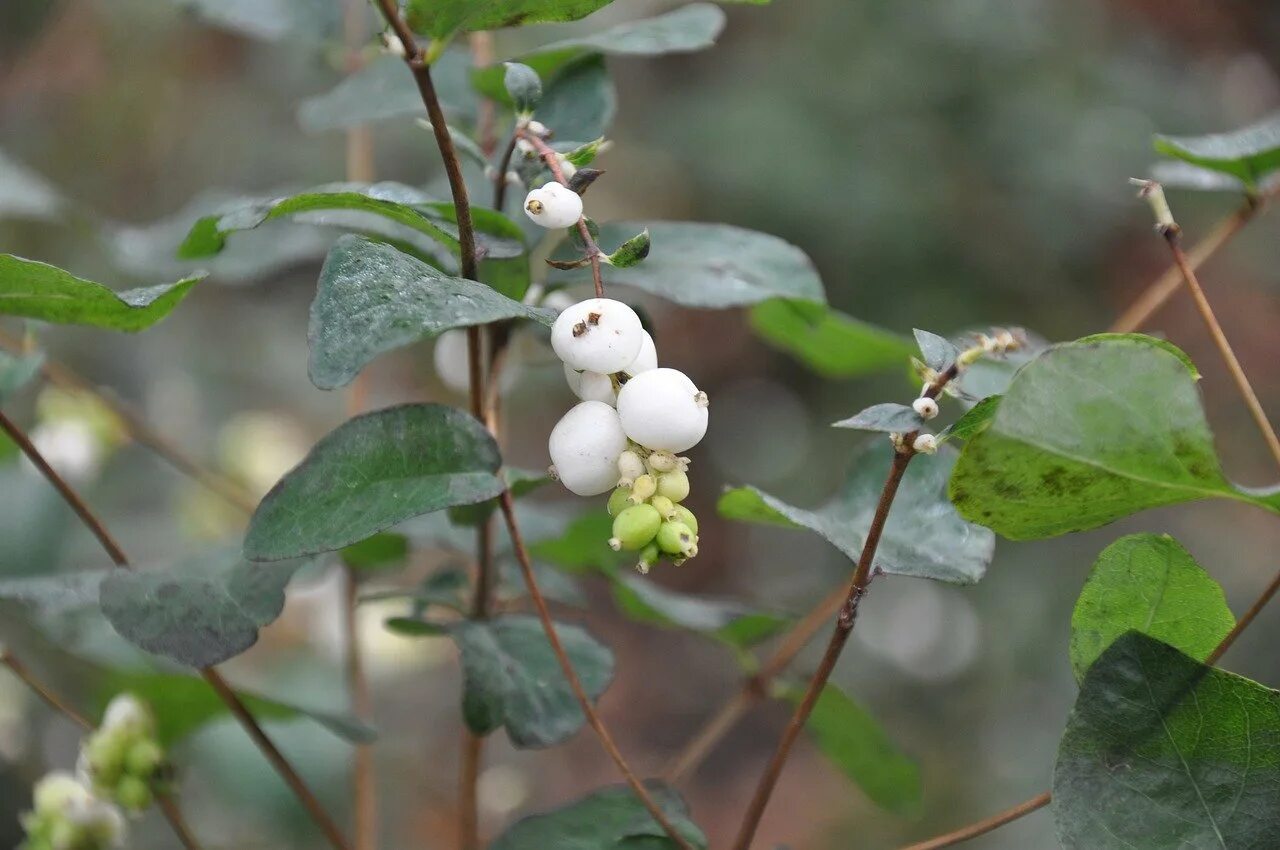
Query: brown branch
x=168, y=806
x=1158, y=293
x=1173, y=236
x=139, y=431
x=500, y=180
x=584, y=701
x=552, y=160
x=215, y=680
x=984, y=826
x=468, y=778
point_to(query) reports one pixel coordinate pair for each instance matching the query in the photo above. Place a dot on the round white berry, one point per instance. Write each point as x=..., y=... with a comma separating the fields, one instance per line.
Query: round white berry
x=663, y=409
x=585, y=446
x=590, y=386
x=595, y=386
x=553, y=206
x=925, y=444
x=454, y=369
x=926, y=407
x=598, y=335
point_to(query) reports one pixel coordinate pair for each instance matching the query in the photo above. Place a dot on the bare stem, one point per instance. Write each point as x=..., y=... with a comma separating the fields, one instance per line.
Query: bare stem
x=844, y=627
x=215, y=680
x=982, y=827
x=1174, y=239
x=468, y=777
x=500, y=179
x=139, y=431
x=584, y=701
x=168, y=806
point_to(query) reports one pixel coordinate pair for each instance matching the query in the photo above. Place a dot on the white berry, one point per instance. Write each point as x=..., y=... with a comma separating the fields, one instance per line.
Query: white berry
x=454, y=369
x=663, y=409
x=553, y=206
x=925, y=444
x=585, y=446
x=595, y=386
x=926, y=407
x=598, y=335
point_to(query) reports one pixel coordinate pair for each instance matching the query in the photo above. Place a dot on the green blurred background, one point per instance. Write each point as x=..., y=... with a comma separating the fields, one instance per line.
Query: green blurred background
x=946, y=163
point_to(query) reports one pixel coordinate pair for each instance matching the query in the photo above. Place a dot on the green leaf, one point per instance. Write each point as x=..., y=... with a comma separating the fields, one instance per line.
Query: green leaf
x=938, y=352
x=827, y=341
x=16, y=371
x=889, y=418
x=630, y=253
x=736, y=624
x=924, y=537
x=523, y=86
x=579, y=101
x=521, y=482
x=1163, y=753
x=200, y=612
x=851, y=738
x=583, y=547
x=372, y=299
x=183, y=704
x=511, y=678
x=585, y=154
x=1249, y=154
x=272, y=20
x=709, y=265
x=413, y=215
x=1089, y=432
x=385, y=89
x=1176, y=174
x=1148, y=583
x=40, y=291
x=383, y=551
x=685, y=30
x=609, y=819
x=372, y=472
x=440, y=19
x=974, y=421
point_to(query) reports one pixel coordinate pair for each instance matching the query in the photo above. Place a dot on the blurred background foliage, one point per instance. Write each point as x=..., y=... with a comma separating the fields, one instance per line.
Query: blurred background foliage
x=946, y=163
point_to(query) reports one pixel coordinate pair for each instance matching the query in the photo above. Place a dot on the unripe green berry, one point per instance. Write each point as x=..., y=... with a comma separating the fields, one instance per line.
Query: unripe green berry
x=683, y=514
x=665, y=506
x=133, y=794
x=634, y=528
x=674, y=485
x=144, y=758
x=106, y=753
x=64, y=833
x=676, y=538
x=619, y=500
x=644, y=487
x=649, y=556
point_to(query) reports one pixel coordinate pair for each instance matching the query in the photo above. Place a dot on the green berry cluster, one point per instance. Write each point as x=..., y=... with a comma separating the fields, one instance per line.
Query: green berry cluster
x=123, y=759
x=66, y=815
x=647, y=515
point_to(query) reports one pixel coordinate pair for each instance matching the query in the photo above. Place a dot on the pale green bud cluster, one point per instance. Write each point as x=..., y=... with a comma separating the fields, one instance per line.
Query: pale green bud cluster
x=120, y=766
x=123, y=759
x=647, y=515
x=67, y=815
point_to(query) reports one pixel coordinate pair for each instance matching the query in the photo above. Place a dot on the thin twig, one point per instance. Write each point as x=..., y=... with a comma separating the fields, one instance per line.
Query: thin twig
x=164, y=800
x=468, y=780
x=982, y=827
x=215, y=680
x=481, y=43
x=139, y=430
x=584, y=701
x=500, y=179
x=552, y=160
x=1174, y=239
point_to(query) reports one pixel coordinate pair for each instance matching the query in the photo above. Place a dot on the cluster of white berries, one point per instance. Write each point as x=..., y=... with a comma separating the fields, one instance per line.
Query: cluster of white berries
x=629, y=429
x=120, y=764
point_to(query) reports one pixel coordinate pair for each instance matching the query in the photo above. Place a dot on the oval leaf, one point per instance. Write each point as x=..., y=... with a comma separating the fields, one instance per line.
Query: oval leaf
x=609, y=819
x=827, y=341
x=1250, y=153
x=1148, y=583
x=709, y=265
x=36, y=290
x=1089, y=432
x=372, y=472
x=373, y=299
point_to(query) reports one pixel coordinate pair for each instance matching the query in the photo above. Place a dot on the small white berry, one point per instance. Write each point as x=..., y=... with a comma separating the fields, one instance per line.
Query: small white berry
x=454, y=369
x=926, y=444
x=926, y=407
x=594, y=386
x=663, y=409
x=553, y=206
x=567, y=168
x=630, y=467
x=538, y=129
x=585, y=446
x=125, y=711
x=598, y=335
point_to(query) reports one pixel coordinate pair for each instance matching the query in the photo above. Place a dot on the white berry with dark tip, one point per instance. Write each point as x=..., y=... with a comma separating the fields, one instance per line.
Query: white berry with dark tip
x=553, y=206
x=598, y=335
